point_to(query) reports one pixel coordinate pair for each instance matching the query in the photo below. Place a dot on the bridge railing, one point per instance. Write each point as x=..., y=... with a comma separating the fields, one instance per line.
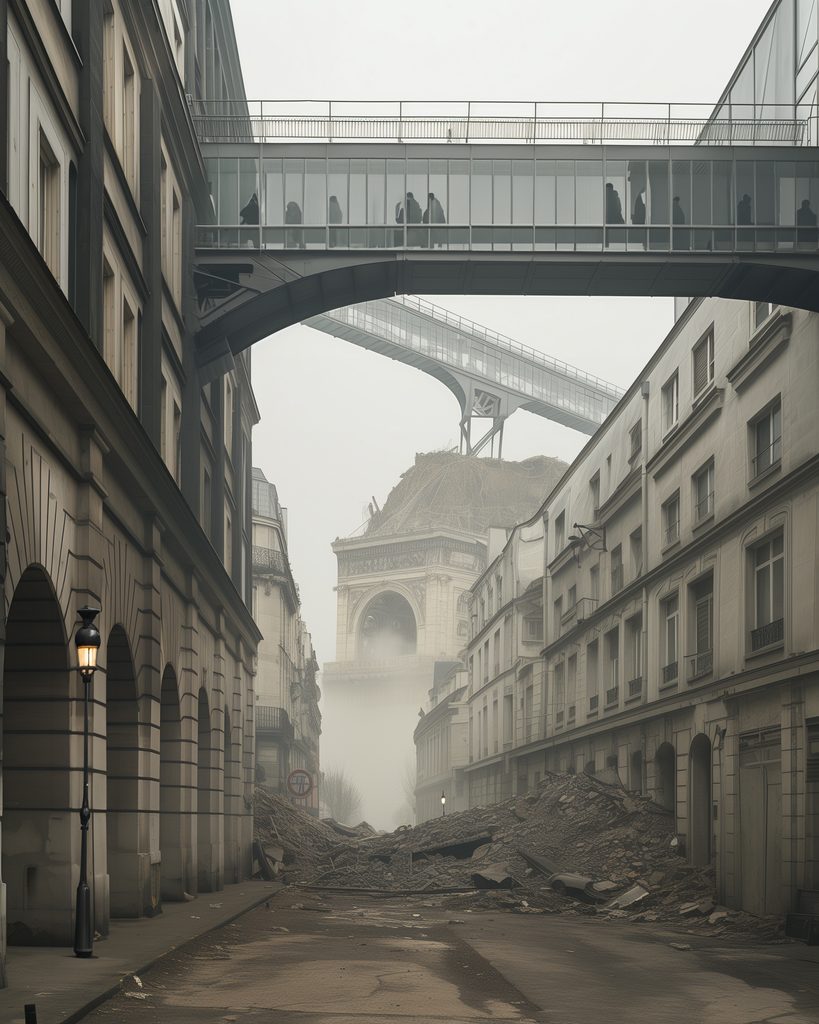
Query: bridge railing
x=661, y=124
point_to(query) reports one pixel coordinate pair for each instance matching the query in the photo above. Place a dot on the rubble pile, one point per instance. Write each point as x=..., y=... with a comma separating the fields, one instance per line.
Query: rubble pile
x=576, y=844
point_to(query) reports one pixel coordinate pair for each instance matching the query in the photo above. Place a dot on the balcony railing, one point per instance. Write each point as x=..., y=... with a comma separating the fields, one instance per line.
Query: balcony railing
x=585, y=607
x=559, y=718
x=672, y=533
x=700, y=664
x=768, y=635
x=612, y=696
x=704, y=507
x=767, y=457
x=635, y=686
x=269, y=560
x=273, y=720
x=671, y=672
x=616, y=580
x=572, y=713
x=594, y=702
x=569, y=614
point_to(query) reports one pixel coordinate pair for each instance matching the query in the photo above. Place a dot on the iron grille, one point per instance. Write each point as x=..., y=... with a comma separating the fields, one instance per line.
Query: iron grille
x=671, y=672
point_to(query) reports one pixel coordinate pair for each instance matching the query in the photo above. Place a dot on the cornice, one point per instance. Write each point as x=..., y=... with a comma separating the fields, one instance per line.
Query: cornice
x=765, y=346
x=706, y=409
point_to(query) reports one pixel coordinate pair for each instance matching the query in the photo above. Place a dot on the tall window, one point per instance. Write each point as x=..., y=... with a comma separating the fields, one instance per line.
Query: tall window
x=671, y=403
x=48, y=236
x=704, y=492
x=560, y=694
x=671, y=519
x=108, y=74
x=229, y=412
x=127, y=354
x=612, y=665
x=558, y=611
x=670, y=622
x=762, y=310
x=571, y=686
x=594, y=583
x=636, y=545
x=572, y=597
x=636, y=440
x=616, y=569
x=228, y=541
x=129, y=119
x=206, y=510
x=769, y=593
x=704, y=363
x=766, y=439
x=702, y=603
x=508, y=719
x=497, y=643
x=109, y=313
x=592, y=675
x=560, y=532
x=594, y=488
x=634, y=655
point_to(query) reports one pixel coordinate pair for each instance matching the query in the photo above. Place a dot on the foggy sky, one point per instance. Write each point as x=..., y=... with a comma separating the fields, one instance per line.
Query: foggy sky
x=340, y=424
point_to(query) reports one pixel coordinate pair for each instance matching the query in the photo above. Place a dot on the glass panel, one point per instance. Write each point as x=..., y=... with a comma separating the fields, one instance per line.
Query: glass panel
x=722, y=209
x=565, y=191
x=545, y=192
x=522, y=192
x=437, y=204
x=358, y=192
x=742, y=93
x=763, y=590
x=249, y=190
x=337, y=187
x=228, y=190
x=376, y=192
x=293, y=191
x=701, y=192
x=458, y=192
x=481, y=187
x=615, y=191
x=805, y=28
x=502, y=197
x=766, y=193
x=417, y=189
x=212, y=175
x=395, y=199
x=637, y=186
x=778, y=590
x=589, y=192
x=315, y=192
x=681, y=190
x=659, y=207
x=807, y=198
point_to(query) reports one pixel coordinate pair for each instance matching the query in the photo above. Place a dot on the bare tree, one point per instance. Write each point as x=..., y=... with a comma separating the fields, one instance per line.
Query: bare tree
x=340, y=796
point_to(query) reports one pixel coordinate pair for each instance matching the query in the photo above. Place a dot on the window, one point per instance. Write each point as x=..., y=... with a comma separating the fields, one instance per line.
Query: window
x=485, y=661
x=594, y=487
x=229, y=416
x=48, y=228
x=616, y=569
x=636, y=545
x=109, y=313
x=533, y=628
x=704, y=492
x=499, y=588
x=495, y=726
x=704, y=362
x=594, y=583
x=612, y=666
x=571, y=686
x=634, y=655
x=558, y=615
x=766, y=440
x=127, y=355
x=109, y=92
x=490, y=601
x=508, y=719
x=128, y=151
x=669, y=620
x=177, y=443
x=560, y=694
x=636, y=436
x=228, y=541
x=762, y=310
x=205, y=511
x=560, y=532
x=671, y=520
x=163, y=420
x=592, y=677
x=702, y=605
x=176, y=246
x=497, y=643
x=769, y=593
x=572, y=597
x=671, y=403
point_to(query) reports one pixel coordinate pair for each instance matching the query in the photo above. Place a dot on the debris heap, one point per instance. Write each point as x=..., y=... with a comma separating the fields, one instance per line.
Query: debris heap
x=576, y=844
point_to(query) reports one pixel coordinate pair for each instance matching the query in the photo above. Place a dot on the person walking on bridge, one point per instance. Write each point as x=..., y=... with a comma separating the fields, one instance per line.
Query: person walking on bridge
x=614, y=208
x=411, y=213
x=434, y=213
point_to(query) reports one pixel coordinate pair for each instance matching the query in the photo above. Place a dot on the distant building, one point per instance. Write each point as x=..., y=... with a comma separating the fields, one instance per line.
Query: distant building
x=288, y=720
x=442, y=747
x=403, y=605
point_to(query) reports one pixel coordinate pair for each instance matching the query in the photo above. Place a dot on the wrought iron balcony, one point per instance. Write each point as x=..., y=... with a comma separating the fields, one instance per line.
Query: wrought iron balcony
x=700, y=664
x=671, y=672
x=616, y=580
x=269, y=560
x=635, y=686
x=559, y=719
x=585, y=607
x=612, y=696
x=768, y=635
x=274, y=720
x=594, y=702
x=572, y=712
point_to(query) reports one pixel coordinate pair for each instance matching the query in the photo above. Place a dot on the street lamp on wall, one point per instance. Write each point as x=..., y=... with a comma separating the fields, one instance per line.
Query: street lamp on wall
x=87, y=642
x=443, y=803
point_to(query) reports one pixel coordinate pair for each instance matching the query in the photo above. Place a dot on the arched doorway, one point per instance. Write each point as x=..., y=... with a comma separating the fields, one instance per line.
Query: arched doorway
x=173, y=880
x=207, y=830
x=387, y=628
x=129, y=880
x=699, y=789
x=42, y=715
x=665, y=781
x=231, y=805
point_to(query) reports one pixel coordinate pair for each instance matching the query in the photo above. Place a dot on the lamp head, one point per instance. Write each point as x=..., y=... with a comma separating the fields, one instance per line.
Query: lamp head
x=87, y=641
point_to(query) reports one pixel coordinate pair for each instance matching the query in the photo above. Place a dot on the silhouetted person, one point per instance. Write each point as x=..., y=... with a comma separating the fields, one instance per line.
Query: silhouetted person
x=806, y=230
x=638, y=215
x=681, y=236
x=744, y=214
x=292, y=215
x=614, y=208
x=334, y=216
x=249, y=213
x=434, y=213
x=412, y=213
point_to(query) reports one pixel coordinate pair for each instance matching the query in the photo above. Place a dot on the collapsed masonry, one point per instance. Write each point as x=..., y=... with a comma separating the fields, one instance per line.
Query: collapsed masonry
x=577, y=844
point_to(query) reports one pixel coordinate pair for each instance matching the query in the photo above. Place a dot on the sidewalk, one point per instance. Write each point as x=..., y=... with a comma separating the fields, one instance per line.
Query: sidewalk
x=64, y=988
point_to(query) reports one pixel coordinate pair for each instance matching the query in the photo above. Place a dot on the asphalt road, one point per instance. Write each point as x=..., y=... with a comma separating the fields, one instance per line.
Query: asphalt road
x=401, y=962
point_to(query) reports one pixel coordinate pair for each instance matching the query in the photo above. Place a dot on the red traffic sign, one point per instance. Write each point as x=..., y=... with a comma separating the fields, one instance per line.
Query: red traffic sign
x=300, y=782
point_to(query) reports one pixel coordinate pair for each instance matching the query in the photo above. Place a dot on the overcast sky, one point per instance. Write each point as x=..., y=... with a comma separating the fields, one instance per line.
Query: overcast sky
x=340, y=424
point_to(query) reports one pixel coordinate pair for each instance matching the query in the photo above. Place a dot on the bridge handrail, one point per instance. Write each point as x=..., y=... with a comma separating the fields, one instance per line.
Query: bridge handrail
x=469, y=121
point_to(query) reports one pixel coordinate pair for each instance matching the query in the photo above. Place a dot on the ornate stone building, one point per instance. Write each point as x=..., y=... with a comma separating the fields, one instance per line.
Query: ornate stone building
x=403, y=590
x=125, y=482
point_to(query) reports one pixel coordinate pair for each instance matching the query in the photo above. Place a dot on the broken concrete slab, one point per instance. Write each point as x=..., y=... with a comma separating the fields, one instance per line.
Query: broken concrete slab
x=495, y=876
x=636, y=894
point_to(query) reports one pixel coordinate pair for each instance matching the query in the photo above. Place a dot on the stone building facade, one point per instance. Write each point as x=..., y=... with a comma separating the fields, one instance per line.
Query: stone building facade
x=288, y=719
x=125, y=483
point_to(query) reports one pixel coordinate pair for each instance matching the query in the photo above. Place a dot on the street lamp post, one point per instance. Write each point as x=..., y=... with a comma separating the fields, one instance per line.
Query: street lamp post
x=87, y=641
x=443, y=803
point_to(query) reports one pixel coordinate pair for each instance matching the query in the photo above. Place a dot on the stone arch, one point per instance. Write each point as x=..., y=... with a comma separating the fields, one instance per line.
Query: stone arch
x=387, y=626
x=42, y=729
x=232, y=801
x=171, y=790
x=129, y=871
x=207, y=802
x=699, y=801
x=665, y=783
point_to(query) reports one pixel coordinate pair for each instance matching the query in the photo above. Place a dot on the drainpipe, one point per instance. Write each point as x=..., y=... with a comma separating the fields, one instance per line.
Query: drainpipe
x=644, y=392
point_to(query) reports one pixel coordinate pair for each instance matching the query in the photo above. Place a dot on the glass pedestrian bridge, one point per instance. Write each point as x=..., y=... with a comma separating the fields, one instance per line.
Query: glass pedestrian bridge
x=490, y=375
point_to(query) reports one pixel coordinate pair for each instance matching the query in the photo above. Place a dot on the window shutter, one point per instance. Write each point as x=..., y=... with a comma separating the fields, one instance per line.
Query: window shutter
x=700, y=366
